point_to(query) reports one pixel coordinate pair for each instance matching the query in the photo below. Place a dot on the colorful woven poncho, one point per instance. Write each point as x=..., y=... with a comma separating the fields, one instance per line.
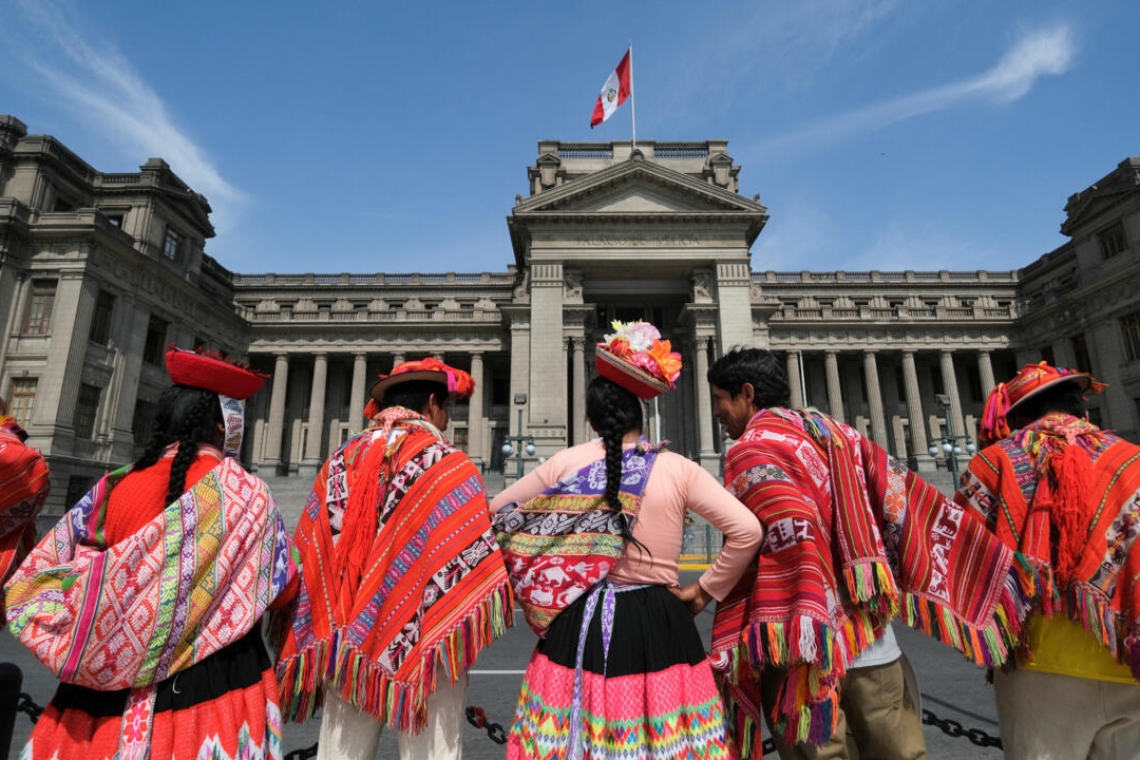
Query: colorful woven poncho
x=402, y=580
x=194, y=580
x=24, y=486
x=854, y=539
x=1067, y=495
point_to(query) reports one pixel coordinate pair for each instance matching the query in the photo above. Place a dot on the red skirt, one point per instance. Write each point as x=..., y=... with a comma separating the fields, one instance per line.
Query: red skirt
x=223, y=707
x=652, y=695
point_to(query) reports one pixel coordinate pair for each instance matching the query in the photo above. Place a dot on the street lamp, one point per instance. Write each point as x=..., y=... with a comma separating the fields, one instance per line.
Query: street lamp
x=947, y=443
x=508, y=449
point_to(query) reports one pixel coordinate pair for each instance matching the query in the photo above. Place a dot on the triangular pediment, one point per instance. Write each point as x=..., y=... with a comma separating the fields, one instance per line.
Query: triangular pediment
x=1091, y=206
x=637, y=187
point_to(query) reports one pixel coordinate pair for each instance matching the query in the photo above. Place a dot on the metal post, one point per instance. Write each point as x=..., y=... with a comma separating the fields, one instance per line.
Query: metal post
x=519, y=450
x=951, y=458
x=11, y=680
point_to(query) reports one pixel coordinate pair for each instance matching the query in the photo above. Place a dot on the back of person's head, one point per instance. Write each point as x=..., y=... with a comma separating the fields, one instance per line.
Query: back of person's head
x=415, y=395
x=757, y=367
x=186, y=416
x=1065, y=398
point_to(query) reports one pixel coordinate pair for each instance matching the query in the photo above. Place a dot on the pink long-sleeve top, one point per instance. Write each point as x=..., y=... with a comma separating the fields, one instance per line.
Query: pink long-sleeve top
x=675, y=484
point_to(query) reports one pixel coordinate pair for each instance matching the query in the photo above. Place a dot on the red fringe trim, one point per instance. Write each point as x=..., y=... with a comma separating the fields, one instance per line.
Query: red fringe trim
x=401, y=705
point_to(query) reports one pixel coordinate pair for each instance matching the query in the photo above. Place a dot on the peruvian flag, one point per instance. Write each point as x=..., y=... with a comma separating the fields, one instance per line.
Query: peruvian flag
x=614, y=92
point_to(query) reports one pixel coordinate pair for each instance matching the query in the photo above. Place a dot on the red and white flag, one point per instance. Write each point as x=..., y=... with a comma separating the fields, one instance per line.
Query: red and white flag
x=614, y=92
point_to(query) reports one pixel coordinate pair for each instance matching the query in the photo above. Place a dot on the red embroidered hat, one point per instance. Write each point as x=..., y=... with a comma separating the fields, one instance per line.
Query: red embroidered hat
x=1031, y=380
x=636, y=358
x=457, y=381
x=211, y=372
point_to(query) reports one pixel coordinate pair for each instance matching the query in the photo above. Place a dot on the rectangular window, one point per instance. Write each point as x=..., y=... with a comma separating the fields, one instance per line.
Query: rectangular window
x=78, y=486
x=101, y=321
x=115, y=220
x=1047, y=355
x=200, y=342
x=37, y=319
x=22, y=399
x=1081, y=352
x=171, y=244
x=86, y=407
x=1113, y=241
x=1130, y=326
x=155, y=341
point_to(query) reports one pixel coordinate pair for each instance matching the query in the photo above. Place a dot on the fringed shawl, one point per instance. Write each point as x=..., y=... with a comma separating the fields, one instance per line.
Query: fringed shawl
x=408, y=592
x=854, y=540
x=195, y=579
x=1026, y=489
x=24, y=486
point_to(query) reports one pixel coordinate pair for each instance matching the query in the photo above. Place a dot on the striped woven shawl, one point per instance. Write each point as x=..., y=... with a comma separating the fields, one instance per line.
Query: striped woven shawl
x=854, y=539
x=24, y=486
x=408, y=591
x=1018, y=486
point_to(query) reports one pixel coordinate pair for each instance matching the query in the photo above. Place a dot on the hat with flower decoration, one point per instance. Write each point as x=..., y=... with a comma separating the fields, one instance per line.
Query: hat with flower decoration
x=1031, y=380
x=431, y=369
x=635, y=357
x=213, y=372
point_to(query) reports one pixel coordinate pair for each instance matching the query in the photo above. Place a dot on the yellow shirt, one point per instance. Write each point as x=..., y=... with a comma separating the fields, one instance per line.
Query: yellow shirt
x=1063, y=647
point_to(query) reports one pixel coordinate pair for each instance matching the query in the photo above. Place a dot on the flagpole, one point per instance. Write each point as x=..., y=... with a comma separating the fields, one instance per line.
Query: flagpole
x=632, y=98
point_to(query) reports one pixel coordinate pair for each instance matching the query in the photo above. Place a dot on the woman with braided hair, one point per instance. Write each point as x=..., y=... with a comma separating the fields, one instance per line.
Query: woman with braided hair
x=620, y=669
x=146, y=601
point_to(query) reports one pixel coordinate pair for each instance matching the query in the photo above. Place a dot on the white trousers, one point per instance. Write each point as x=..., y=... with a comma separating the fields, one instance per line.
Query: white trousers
x=348, y=733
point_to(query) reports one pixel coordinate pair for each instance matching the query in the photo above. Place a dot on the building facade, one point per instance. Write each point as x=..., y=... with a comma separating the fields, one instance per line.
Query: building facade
x=605, y=233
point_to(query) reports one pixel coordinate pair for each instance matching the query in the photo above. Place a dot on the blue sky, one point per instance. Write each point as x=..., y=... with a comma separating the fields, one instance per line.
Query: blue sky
x=368, y=137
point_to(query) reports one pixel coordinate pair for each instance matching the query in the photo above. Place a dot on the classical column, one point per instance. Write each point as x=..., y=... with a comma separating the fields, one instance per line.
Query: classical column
x=875, y=399
x=475, y=427
x=359, y=381
x=709, y=459
x=581, y=427
x=793, y=367
x=986, y=371
x=834, y=391
x=277, y=411
x=950, y=383
x=396, y=359
x=313, y=456
x=914, y=406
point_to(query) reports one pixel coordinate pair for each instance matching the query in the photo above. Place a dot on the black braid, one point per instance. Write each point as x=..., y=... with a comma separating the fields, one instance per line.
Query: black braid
x=186, y=416
x=614, y=412
x=198, y=421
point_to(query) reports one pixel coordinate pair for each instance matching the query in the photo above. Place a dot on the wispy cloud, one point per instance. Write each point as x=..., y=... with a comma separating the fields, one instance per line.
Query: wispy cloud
x=1044, y=52
x=98, y=85
x=789, y=41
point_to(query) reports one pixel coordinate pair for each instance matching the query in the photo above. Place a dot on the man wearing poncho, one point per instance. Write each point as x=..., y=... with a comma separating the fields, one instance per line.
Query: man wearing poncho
x=854, y=539
x=1067, y=495
x=402, y=581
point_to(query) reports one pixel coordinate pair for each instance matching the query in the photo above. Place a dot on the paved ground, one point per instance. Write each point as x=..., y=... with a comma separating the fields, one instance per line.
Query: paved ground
x=951, y=687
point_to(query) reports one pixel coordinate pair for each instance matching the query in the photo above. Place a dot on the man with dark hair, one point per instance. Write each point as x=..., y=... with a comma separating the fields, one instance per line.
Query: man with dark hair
x=1066, y=494
x=875, y=706
x=402, y=579
x=853, y=539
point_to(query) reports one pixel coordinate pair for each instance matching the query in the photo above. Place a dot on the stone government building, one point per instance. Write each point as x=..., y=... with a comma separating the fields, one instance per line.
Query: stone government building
x=100, y=272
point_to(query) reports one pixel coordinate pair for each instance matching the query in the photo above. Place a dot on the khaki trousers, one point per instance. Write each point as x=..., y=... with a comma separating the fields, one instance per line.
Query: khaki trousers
x=1044, y=716
x=878, y=719
x=351, y=734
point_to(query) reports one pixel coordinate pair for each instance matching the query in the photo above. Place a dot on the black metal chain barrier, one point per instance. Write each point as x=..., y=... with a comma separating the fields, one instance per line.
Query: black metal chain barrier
x=27, y=706
x=954, y=728
x=478, y=718
x=302, y=754
x=496, y=733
